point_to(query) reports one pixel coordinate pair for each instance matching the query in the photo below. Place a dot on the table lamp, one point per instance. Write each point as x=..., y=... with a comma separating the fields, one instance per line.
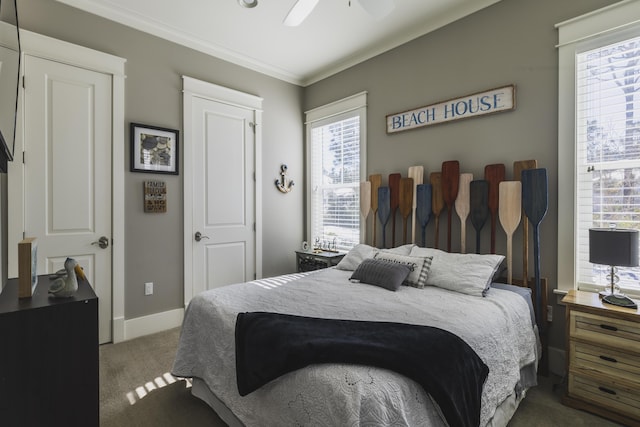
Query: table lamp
x=615, y=247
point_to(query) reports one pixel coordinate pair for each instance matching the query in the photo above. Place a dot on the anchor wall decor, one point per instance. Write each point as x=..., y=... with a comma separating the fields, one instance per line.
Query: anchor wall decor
x=283, y=184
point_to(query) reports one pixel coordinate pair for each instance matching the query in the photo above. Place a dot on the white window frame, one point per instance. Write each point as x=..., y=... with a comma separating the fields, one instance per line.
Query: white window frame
x=358, y=105
x=604, y=26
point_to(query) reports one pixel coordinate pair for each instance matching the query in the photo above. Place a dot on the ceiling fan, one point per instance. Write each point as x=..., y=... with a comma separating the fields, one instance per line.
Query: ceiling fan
x=302, y=8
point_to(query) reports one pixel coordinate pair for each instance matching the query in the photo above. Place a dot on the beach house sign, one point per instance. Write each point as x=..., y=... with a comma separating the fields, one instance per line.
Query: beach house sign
x=478, y=104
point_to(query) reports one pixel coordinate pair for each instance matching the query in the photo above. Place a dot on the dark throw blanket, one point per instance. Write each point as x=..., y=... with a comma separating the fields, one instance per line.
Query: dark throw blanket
x=269, y=345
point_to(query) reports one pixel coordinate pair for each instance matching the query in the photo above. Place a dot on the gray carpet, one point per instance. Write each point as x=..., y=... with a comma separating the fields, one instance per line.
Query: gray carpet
x=137, y=390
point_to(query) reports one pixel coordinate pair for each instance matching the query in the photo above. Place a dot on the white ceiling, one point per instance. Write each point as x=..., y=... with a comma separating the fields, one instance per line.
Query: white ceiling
x=334, y=37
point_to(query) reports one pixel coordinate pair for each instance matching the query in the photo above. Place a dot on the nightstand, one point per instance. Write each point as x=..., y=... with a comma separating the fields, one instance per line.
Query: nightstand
x=603, y=358
x=49, y=362
x=309, y=260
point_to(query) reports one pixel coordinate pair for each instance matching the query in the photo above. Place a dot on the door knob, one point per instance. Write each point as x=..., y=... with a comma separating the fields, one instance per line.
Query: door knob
x=103, y=242
x=199, y=236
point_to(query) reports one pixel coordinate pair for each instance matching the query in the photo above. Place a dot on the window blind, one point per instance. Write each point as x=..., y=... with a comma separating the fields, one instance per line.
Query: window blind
x=335, y=177
x=607, y=151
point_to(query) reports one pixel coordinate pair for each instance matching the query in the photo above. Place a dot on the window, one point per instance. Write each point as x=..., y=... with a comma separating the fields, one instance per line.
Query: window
x=599, y=135
x=608, y=148
x=335, y=166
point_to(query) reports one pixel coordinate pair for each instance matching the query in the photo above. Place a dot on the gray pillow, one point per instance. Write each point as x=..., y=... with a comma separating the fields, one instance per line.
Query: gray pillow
x=386, y=274
x=418, y=266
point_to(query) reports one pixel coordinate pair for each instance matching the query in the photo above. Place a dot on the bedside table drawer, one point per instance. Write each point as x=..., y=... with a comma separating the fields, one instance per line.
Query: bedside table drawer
x=605, y=360
x=605, y=330
x=309, y=261
x=621, y=399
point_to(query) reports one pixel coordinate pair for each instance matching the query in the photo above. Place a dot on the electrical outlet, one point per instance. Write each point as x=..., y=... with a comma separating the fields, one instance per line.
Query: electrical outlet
x=148, y=288
x=549, y=313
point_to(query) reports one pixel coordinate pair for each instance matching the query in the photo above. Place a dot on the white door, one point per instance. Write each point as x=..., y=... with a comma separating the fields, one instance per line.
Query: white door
x=67, y=137
x=223, y=210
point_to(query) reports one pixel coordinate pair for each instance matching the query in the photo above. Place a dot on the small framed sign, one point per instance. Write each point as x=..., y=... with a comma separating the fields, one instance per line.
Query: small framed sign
x=154, y=149
x=27, y=267
x=155, y=196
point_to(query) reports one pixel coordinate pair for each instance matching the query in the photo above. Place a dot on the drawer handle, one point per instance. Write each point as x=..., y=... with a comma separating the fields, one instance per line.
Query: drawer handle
x=609, y=328
x=607, y=390
x=608, y=359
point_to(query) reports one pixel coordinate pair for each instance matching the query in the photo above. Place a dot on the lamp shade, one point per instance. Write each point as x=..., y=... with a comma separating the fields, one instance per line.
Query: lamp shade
x=613, y=246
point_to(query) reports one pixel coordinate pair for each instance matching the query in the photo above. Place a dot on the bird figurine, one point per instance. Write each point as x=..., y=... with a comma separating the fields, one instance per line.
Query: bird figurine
x=67, y=285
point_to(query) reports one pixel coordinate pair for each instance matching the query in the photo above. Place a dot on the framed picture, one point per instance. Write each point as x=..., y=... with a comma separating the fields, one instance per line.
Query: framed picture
x=154, y=149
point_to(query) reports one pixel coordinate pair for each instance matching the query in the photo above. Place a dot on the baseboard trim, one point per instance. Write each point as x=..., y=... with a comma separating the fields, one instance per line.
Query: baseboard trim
x=557, y=361
x=153, y=323
x=117, y=331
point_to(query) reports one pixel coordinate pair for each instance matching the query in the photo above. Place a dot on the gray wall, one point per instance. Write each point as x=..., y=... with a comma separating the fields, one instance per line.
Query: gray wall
x=154, y=242
x=512, y=41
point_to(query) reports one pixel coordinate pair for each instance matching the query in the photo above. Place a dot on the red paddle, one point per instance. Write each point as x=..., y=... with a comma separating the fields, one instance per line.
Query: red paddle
x=494, y=175
x=406, y=203
x=437, y=202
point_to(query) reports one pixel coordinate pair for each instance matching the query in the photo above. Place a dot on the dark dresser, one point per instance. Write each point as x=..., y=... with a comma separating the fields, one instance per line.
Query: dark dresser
x=49, y=362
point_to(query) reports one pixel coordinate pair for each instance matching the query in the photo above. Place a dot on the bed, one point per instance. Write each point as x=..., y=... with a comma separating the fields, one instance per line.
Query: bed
x=452, y=292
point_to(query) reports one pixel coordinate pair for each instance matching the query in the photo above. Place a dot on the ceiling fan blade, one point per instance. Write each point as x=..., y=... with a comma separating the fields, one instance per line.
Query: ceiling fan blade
x=299, y=12
x=378, y=8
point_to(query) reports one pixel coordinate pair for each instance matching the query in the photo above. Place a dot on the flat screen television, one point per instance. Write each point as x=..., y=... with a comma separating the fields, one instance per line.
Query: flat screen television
x=9, y=79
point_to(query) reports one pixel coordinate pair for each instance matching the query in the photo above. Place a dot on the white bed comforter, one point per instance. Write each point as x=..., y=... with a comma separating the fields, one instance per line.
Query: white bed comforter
x=497, y=327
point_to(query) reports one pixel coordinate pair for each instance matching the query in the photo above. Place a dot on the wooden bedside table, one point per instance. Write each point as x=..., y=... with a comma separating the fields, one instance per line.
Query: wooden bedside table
x=309, y=260
x=603, y=358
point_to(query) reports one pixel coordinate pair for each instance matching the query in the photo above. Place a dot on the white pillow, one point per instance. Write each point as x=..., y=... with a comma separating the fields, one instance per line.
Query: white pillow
x=355, y=256
x=419, y=266
x=360, y=252
x=470, y=274
x=400, y=250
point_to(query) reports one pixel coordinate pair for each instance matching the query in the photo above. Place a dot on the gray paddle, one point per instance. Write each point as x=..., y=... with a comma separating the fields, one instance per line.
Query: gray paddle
x=376, y=181
x=417, y=173
x=535, y=204
x=384, y=211
x=518, y=167
x=394, y=196
x=365, y=203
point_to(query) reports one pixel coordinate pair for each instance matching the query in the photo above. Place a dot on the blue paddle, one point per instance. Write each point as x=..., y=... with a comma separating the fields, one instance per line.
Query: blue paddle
x=423, y=208
x=535, y=203
x=450, y=186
